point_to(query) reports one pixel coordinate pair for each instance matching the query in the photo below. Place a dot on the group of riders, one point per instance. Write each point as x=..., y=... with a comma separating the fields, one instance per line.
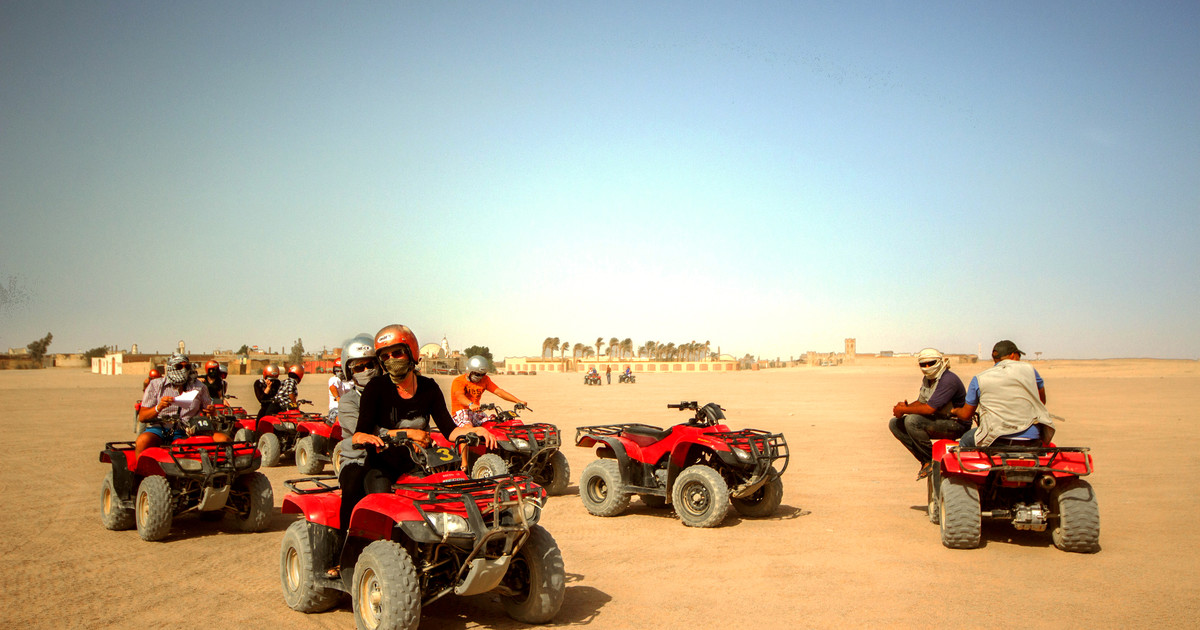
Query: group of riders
x=376, y=394
x=1006, y=401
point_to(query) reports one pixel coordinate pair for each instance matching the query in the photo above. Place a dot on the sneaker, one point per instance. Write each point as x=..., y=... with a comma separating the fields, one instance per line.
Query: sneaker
x=926, y=468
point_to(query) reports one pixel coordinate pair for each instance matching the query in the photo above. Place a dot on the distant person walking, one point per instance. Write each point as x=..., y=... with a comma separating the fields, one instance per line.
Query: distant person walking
x=608, y=374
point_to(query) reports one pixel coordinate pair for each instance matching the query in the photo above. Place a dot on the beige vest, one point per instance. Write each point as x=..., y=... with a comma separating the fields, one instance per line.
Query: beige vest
x=1009, y=402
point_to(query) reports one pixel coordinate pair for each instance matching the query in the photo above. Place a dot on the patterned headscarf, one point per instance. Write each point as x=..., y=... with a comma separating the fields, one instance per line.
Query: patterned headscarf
x=179, y=369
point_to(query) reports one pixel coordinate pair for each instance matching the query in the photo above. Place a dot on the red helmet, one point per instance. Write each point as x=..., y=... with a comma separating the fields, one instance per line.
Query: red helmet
x=297, y=370
x=394, y=335
x=271, y=371
x=154, y=373
x=212, y=365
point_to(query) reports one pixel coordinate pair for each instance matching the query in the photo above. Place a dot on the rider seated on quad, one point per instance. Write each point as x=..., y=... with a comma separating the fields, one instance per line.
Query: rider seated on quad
x=289, y=389
x=338, y=386
x=265, y=390
x=1010, y=398
x=397, y=403
x=465, y=393
x=628, y=371
x=217, y=386
x=916, y=424
x=163, y=414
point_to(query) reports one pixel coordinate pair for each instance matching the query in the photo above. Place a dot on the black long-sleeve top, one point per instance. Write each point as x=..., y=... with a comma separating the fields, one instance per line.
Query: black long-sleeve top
x=382, y=407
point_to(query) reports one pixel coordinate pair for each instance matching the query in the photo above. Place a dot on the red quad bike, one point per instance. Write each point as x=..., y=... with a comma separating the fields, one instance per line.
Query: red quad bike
x=1031, y=486
x=191, y=475
x=279, y=434
x=437, y=533
x=699, y=467
x=525, y=449
x=591, y=378
x=318, y=437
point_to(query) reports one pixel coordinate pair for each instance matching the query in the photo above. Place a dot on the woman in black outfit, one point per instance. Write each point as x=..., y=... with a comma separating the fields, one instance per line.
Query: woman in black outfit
x=399, y=402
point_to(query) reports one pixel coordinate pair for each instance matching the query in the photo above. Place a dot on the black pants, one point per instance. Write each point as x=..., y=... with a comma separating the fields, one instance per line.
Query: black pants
x=359, y=480
x=269, y=408
x=916, y=433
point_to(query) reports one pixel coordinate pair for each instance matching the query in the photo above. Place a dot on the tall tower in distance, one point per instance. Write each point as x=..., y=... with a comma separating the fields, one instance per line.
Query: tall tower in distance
x=851, y=350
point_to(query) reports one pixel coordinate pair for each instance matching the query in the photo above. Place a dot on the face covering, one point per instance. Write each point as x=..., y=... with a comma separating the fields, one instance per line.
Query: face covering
x=397, y=368
x=362, y=378
x=475, y=377
x=178, y=376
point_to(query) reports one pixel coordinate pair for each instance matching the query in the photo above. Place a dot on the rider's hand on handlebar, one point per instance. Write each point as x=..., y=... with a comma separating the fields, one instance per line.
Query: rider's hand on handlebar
x=366, y=438
x=487, y=436
x=416, y=435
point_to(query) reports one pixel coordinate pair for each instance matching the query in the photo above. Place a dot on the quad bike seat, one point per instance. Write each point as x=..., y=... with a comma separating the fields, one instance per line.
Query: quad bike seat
x=641, y=430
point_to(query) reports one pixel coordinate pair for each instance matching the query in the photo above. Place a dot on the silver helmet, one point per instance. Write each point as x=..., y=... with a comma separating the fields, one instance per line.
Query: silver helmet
x=362, y=346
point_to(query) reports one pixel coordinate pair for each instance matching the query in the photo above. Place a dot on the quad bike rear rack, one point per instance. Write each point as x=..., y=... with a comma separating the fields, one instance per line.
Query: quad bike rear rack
x=319, y=484
x=1025, y=459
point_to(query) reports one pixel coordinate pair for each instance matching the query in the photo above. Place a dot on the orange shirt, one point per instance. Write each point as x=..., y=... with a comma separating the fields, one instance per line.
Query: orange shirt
x=464, y=393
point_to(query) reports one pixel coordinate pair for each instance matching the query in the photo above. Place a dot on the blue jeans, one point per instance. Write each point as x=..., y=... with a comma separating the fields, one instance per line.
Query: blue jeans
x=166, y=435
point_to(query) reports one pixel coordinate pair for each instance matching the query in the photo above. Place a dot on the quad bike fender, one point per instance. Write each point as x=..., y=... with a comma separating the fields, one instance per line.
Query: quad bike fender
x=124, y=481
x=322, y=509
x=612, y=448
x=377, y=514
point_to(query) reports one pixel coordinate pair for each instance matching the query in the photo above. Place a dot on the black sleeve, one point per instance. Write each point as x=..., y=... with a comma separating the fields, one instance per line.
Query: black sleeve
x=258, y=391
x=368, y=406
x=437, y=410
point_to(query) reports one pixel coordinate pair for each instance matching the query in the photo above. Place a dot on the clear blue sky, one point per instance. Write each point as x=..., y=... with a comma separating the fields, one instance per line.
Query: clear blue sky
x=769, y=177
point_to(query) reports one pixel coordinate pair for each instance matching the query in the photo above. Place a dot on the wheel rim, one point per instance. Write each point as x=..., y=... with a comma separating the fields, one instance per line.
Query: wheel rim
x=695, y=498
x=301, y=457
x=370, y=599
x=291, y=566
x=518, y=578
x=143, y=507
x=597, y=489
x=106, y=500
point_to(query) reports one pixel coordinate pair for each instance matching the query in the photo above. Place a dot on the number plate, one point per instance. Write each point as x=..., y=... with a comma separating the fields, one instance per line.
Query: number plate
x=439, y=456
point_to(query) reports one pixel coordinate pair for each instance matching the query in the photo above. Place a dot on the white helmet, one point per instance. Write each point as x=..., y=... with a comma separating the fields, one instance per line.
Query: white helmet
x=362, y=346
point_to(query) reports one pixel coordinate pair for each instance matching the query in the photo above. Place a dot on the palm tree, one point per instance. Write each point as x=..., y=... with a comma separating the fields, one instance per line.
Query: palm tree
x=546, y=345
x=706, y=351
x=577, y=350
x=671, y=351
x=599, y=342
x=614, y=344
x=588, y=352
x=565, y=346
x=650, y=346
x=627, y=347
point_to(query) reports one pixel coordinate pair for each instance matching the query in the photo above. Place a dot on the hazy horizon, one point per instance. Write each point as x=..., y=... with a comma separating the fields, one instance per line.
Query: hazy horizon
x=769, y=177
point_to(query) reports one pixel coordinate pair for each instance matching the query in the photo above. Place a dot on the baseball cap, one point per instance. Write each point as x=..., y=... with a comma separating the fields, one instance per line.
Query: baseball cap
x=1004, y=348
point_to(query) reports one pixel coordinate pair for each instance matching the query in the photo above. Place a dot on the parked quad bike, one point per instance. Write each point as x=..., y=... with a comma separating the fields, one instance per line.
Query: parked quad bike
x=435, y=534
x=1031, y=486
x=524, y=449
x=190, y=475
x=279, y=434
x=627, y=378
x=591, y=378
x=700, y=467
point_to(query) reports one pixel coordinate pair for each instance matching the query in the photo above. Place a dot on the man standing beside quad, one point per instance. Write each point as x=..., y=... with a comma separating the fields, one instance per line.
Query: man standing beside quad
x=1010, y=398
x=931, y=416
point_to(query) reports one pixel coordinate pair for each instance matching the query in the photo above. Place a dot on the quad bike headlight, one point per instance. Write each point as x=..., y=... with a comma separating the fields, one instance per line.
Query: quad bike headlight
x=290, y=426
x=520, y=444
x=741, y=455
x=532, y=509
x=446, y=524
x=242, y=461
x=190, y=465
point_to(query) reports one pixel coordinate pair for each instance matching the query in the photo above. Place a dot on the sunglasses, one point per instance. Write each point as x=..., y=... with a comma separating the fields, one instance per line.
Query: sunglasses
x=360, y=367
x=402, y=351
x=181, y=366
x=927, y=363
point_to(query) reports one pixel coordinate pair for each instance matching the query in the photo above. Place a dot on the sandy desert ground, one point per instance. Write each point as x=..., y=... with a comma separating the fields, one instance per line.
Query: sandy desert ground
x=850, y=547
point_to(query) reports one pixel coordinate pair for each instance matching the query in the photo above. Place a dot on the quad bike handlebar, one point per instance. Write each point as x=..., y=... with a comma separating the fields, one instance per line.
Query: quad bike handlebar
x=709, y=415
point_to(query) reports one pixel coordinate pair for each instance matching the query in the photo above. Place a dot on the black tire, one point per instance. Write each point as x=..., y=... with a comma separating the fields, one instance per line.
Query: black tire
x=256, y=502
x=538, y=577
x=489, y=465
x=268, y=447
x=959, y=513
x=653, y=501
x=385, y=591
x=1078, y=528
x=559, y=474
x=931, y=498
x=700, y=496
x=764, y=501
x=154, y=508
x=243, y=435
x=296, y=573
x=112, y=514
x=306, y=456
x=601, y=488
